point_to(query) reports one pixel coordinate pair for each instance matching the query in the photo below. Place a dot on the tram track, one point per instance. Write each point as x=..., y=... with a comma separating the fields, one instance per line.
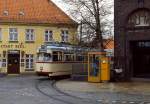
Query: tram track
x=57, y=96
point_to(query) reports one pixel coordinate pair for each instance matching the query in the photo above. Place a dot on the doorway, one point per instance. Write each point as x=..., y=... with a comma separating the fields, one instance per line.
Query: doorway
x=141, y=59
x=13, y=62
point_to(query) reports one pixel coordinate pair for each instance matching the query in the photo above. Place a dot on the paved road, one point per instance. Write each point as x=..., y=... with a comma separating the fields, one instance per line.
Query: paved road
x=34, y=90
x=38, y=90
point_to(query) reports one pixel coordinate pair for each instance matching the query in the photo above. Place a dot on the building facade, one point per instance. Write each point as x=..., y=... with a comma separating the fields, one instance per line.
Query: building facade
x=27, y=24
x=132, y=38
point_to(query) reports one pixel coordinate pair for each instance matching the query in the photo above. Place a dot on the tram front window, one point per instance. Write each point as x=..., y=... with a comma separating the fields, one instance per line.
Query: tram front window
x=44, y=57
x=47, y=57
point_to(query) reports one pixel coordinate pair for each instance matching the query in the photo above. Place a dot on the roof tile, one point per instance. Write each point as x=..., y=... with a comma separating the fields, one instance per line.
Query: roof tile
x=35, y=11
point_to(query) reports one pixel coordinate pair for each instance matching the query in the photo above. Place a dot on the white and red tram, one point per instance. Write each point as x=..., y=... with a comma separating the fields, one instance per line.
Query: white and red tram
x=57, y=59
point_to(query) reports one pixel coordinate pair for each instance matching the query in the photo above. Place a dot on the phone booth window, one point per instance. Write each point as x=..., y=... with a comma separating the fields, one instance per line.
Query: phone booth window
x=94, y=65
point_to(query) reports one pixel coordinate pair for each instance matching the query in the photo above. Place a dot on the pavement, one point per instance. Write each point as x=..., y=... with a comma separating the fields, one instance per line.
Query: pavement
x=80, y=86
x=31, y=89
x=136, y=92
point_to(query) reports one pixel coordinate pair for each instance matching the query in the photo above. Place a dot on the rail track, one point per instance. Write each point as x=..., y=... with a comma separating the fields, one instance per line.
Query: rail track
x=58, y=95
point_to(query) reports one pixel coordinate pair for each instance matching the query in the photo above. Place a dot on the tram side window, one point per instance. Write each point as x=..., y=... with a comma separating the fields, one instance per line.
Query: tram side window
x=55, y=56
x=80, y=58
x=69, y=57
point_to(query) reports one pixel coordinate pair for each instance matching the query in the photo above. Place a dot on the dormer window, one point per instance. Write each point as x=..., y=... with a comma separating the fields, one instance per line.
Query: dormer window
x=21, y=13
x=5, y=13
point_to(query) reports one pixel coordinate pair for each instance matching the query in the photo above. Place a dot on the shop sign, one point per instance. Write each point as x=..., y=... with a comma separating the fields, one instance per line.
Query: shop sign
x=19, y=45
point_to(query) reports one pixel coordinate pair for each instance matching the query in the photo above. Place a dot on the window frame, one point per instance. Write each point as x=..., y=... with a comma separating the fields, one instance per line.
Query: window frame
x=29, y=33
x=49, y=36
x=139, y=18
x=29, y=64
x=0, y=34
x=64, y=35
x=13, y=34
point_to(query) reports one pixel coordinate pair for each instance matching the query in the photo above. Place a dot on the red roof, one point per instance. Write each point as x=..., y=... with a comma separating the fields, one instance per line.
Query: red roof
x=108, y=43
x=35, y=11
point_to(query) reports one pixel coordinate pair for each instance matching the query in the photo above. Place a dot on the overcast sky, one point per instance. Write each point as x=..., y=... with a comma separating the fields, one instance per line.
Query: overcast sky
x=60, y=4
x=63, y=6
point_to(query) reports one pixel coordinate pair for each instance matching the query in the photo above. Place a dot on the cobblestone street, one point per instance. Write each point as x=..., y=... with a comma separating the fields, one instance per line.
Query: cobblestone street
x=38, y=90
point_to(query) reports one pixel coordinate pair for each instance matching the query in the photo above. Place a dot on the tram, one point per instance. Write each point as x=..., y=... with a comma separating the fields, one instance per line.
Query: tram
x=56, y=59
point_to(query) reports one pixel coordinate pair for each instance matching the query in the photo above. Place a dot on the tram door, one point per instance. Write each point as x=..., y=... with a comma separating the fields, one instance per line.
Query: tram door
x=94, y=67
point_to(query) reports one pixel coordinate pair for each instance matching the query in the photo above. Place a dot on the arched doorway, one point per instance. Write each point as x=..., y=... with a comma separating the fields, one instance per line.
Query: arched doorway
x=139, y=21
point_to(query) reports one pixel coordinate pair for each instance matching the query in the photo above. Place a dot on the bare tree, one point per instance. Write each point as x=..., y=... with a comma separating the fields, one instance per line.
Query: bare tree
x=92, y=16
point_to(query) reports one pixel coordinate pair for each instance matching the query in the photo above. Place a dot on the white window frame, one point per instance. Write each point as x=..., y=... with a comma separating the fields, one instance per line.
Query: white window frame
x=29, y=35
x=64, y=35
x=13, y=34
x=48, y=35
x=29, y=62
x=0, y=34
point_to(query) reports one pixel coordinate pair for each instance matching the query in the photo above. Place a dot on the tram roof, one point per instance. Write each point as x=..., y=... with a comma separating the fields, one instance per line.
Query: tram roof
x=68, y=48
x=62, y=47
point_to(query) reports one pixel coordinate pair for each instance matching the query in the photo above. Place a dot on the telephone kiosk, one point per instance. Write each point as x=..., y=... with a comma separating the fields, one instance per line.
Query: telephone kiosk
x=98, y=67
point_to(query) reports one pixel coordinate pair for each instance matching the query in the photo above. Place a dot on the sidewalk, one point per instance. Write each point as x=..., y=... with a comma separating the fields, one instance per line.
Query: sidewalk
x=85, y=87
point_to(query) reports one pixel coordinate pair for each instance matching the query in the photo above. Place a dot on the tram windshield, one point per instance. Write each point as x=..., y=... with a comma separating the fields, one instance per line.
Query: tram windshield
x=44, y=57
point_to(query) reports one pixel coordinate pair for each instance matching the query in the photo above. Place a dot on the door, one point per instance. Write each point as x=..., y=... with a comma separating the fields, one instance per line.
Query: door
x=94, y=67
x=13, y=63
x=141, y=59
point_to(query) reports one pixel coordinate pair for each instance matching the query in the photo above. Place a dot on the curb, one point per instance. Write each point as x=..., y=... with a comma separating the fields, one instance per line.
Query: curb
x=2, y=75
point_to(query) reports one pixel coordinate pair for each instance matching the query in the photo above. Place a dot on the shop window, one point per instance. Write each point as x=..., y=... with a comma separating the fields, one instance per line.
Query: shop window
x=48, y=36
x=4, y=54
x=29, y=61
x=4, y=63
x=64, y=35
x=29, y=35
x=13, y=34
x=22, y=62
x=0, y=34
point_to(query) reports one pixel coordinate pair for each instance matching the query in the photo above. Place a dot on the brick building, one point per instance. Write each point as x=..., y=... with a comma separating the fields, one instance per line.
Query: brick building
x=132, y=38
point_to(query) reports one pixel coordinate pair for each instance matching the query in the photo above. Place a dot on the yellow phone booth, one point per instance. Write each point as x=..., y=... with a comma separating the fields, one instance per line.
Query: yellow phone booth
x=98, y=67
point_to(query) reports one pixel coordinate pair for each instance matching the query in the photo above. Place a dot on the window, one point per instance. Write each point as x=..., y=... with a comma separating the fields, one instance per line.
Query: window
x=4, y=62
x=64, y=35
x=29, y=61
x=139, y=18
x=13, y=34
x=44, y=57
x=140, y=1
x=5, y=13
x=48, y=36
x=57, y=56
x=29, y=35
x=0, y=34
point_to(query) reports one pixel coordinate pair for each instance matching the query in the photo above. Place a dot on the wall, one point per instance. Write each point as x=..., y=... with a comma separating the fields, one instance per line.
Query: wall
x=30, y=47
x=123, y=35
